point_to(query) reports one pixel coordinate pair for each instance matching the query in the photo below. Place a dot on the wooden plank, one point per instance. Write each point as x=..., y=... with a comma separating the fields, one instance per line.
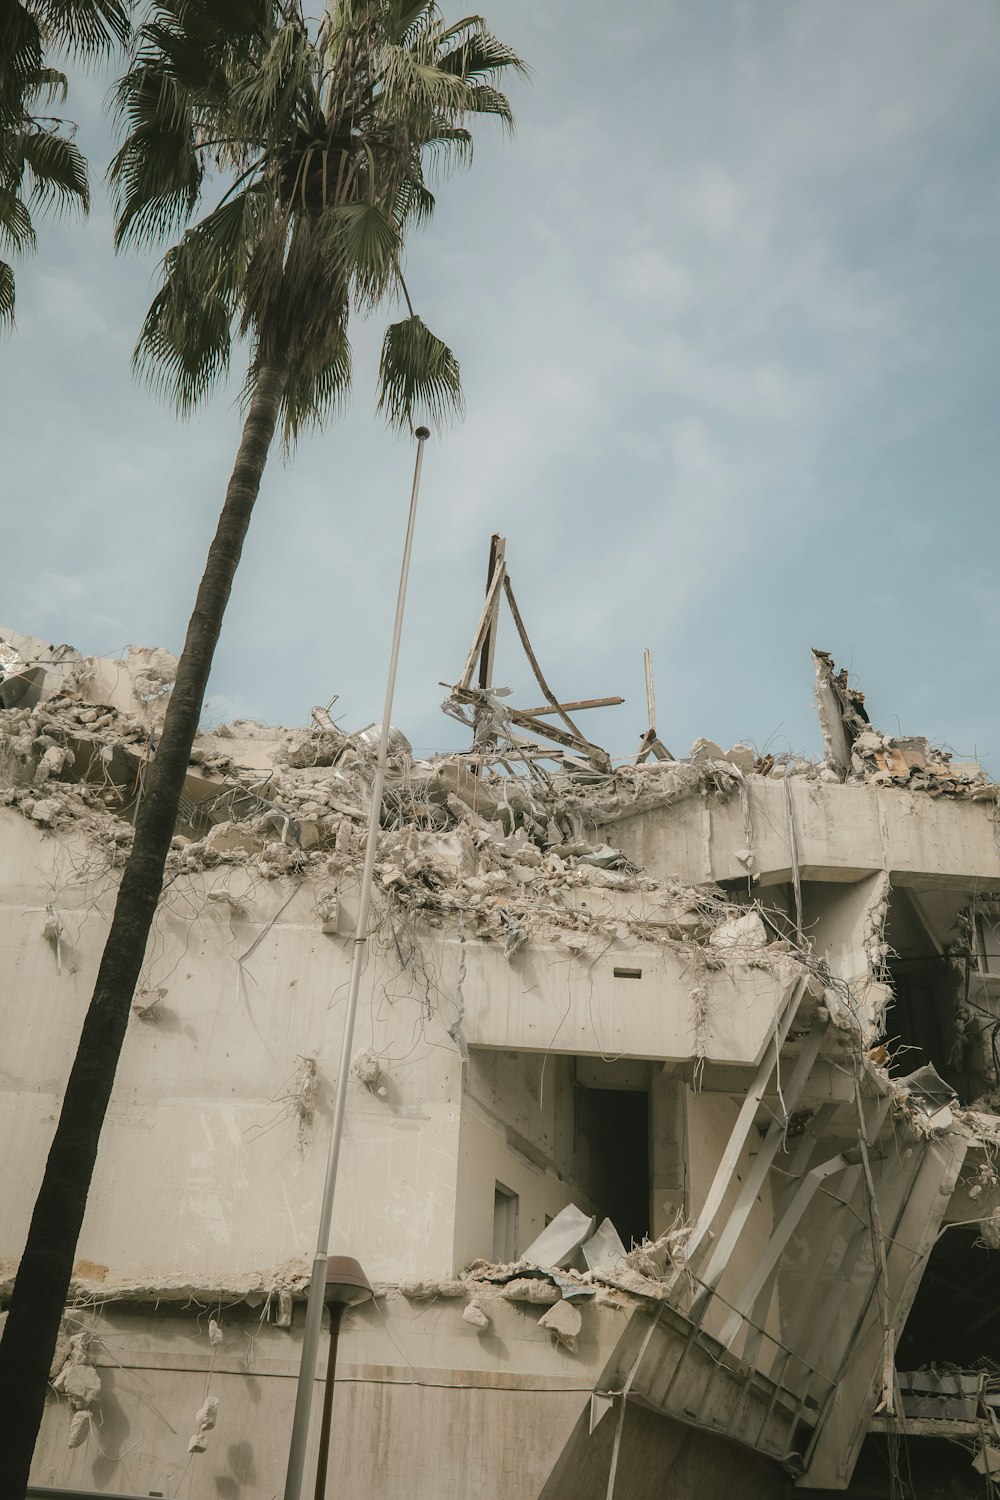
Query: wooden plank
x=651, y=744
x=529, y=653
x=571, y=741
x=489, y=611
x=574, y=707
x=498, y=551
x=577, y=743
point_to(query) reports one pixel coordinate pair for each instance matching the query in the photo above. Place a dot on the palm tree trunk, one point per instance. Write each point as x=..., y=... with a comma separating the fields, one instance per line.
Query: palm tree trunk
x=42, y=1283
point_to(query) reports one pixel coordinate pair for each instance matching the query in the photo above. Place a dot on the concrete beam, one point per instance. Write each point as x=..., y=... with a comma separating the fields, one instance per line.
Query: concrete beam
x=844, y=832
x=640, y=1002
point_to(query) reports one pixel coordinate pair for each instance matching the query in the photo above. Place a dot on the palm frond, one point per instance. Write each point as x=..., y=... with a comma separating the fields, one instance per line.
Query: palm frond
x=448, y=148
x=418, y=377
x=47, y=85
x=328, y=141
x=414, y=88
x=17, y=232
x=415, y=203
x=266, y=103
x=58, y=169
x=85, y=26
x=410, y=19
x=367, y=245
x=185, y=341
x=6, y=296
x=471, y=50
x=157, y=173
x=21, y=56
x=484, y=99
x=315, y=395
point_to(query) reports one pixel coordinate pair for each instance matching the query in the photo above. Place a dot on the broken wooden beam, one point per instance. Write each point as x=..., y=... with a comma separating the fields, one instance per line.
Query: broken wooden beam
x=548, y=708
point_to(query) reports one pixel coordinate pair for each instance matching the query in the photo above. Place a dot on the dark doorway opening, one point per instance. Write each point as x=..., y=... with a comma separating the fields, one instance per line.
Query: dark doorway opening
x=613, y=1133
x=922, y=1017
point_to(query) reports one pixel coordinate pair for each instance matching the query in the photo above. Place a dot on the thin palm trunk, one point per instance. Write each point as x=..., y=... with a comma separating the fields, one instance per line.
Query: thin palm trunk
x=43, y=1276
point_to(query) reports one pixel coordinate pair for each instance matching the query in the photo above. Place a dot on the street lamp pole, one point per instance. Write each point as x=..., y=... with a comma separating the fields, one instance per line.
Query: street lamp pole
x=314, y=1307
x=346, y=1286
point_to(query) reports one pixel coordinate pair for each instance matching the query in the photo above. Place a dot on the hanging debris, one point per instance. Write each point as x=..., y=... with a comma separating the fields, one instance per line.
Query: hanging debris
x=205, y=1418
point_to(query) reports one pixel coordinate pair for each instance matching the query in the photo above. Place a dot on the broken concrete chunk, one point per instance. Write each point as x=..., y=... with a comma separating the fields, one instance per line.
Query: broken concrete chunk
x=206, y=1418
x=740, y=933
x=327, y=907
x=425, y=1291
x=367, y=1069
x=52, y=763
x=230, y=838
x=603, y=858
x=987, y=1460
x=80, y=1384
x=558, y=1241
x=989, y=1230
x=703, y=750
x=868, y=742
x=79, y=1429
x=60, y=1353
x=604, y=1250
x=564, y=1321
x=743, y=756
x=530, y=1289
x=44, y=811
x=475, y=1315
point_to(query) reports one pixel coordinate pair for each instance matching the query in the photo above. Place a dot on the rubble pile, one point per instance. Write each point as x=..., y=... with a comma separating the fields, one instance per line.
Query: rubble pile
x=508, y=847
x=857, y=751
x=512, y=855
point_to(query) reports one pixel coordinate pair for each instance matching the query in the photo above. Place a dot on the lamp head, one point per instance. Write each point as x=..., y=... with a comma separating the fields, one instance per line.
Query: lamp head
x=346, y=1283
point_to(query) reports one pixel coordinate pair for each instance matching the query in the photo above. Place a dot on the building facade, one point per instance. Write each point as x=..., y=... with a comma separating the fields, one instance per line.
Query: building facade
x=670, y=1131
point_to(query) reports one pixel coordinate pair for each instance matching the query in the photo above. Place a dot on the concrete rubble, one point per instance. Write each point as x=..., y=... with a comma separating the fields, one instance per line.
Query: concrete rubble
x=856, y=750
x=510, y=854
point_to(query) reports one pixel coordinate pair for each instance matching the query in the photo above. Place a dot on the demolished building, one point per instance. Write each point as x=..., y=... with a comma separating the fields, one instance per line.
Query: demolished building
x=671, y=1131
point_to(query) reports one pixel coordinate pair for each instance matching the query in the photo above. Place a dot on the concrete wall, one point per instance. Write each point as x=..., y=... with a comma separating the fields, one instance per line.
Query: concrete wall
x=426, y=1406
x=206, y=1171
x=517, y=1129
x=487, y=1157
x=240, y=987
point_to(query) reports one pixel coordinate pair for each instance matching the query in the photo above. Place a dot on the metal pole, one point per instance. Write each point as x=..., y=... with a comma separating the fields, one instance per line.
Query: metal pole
x=336, y=1313
x=317, y=1285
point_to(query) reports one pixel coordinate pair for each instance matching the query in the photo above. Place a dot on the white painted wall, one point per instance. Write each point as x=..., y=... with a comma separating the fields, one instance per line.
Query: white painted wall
x=203, y=1172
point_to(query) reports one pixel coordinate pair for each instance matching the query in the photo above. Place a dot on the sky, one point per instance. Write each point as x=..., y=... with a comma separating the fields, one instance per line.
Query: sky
x=729, y=325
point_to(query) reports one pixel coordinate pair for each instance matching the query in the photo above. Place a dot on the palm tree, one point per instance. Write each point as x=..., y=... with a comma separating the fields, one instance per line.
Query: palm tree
x=314, y=143
x=40, y=166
